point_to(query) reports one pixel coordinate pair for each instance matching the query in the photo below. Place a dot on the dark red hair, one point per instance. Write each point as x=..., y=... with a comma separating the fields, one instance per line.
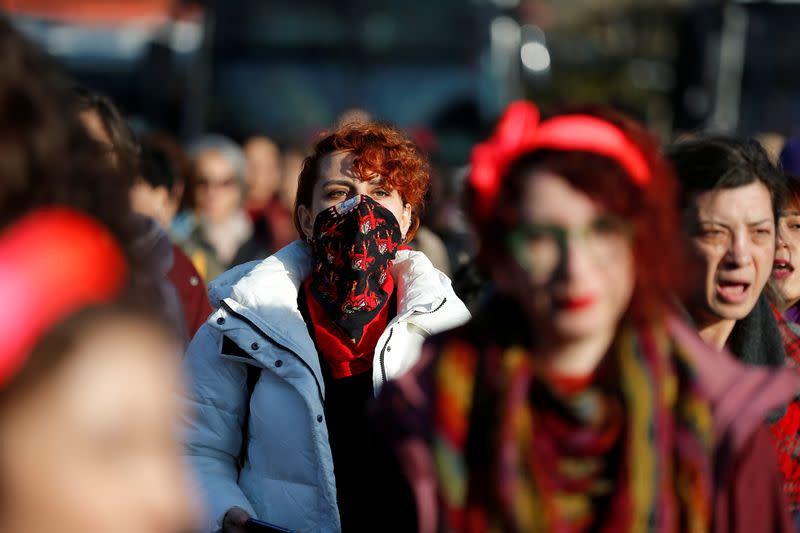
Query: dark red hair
x=379, y=149
x=652, y=209
x=792, y=200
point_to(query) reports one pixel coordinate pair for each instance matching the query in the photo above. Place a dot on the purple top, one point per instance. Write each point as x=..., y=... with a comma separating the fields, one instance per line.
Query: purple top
x=793, y=314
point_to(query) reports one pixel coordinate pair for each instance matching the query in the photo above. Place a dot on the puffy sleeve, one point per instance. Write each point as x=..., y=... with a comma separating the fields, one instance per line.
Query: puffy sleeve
x=216, y=397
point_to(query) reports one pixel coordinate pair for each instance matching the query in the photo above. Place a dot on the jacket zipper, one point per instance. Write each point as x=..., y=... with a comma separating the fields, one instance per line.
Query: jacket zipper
x=391, y=332
x=383, y=351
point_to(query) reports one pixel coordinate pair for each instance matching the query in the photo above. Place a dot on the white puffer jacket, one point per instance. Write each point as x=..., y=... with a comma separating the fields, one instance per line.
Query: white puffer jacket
x=288, y=478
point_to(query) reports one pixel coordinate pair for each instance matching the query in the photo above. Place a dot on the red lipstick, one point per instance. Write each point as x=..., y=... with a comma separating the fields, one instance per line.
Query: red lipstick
x=576, y=303
x=782, y=269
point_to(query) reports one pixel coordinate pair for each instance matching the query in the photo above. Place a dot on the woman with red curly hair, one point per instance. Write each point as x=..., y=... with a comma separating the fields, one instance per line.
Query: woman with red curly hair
x=283, y=371
x=577, y=400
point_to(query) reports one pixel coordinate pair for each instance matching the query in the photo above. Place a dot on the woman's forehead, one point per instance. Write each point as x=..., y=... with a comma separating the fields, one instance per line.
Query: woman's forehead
x=340, y=166
x=337, y=164
x=349, y=180
x=749, y=203
x=550, y=196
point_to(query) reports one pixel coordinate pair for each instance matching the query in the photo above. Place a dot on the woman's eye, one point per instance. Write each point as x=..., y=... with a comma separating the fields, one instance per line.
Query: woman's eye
x=336, y=194
x=380, y=193
x=540, y=234
x=608, y=226
x=792, y=223
x=602, y=229
x=710, y=233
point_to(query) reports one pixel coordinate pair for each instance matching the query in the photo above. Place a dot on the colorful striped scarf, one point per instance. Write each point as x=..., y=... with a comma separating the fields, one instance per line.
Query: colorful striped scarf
x=627, y=452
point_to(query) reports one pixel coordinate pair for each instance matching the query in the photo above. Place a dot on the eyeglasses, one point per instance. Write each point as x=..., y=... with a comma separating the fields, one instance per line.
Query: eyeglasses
x=204, y=183
x=541, y=248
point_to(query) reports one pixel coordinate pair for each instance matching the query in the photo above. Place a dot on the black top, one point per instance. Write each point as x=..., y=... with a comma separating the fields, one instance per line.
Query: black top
x=372, y=492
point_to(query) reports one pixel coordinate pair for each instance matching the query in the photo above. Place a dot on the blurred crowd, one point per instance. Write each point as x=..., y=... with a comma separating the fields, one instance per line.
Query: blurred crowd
x=586, y=329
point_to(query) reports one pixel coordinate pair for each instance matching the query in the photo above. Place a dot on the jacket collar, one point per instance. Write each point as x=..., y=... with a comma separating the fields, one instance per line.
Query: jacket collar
x=265, y=293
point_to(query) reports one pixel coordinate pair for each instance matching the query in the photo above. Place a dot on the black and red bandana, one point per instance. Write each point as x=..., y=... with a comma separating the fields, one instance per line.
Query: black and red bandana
x=354, y=245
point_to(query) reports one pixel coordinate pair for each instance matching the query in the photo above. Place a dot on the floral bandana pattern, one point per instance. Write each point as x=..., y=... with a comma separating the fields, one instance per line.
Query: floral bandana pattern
x=354, y=245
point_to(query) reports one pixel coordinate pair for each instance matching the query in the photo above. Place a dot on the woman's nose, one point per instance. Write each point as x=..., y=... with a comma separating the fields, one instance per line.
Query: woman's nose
x=779, y=241
x=739, y=251
x=578, y=259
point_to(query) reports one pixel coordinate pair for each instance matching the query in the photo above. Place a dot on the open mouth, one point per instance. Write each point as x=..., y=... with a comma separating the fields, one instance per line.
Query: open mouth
x=782, y=269
x=732, y=292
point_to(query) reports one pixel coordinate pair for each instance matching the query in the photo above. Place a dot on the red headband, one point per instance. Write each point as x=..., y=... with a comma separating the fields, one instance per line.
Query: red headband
x=53, y=262
x=519, y=132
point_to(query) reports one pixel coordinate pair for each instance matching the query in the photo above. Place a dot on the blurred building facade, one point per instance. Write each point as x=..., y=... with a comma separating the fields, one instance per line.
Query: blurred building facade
x=289, y=68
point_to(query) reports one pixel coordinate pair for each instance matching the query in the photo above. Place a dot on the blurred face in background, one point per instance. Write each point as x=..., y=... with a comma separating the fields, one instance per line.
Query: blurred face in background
x=218, y=193
x=785, y=273
x=93, y=446
x=263, y=171
x=574, y=268
x=154, y=202
x=733, y=242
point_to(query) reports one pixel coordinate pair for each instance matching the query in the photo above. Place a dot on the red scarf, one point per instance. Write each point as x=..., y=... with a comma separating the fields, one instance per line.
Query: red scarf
x=345, y=357
x=786, y=430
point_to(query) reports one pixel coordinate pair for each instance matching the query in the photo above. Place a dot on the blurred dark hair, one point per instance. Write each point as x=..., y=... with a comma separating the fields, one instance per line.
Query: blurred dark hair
x=716, y=162
x=179, y=162
x=48, y=158
x=791, y=201
x=123, y=141
x=157, y=167
x=650, y=208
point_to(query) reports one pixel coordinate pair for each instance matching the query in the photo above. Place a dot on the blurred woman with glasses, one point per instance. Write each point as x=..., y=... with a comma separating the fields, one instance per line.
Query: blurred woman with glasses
x=576, y=399
x=221, y=234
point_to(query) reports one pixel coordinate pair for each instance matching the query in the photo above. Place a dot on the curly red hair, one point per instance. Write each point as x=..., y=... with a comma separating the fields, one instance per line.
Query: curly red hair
x=658, y=245
x=379, y=149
